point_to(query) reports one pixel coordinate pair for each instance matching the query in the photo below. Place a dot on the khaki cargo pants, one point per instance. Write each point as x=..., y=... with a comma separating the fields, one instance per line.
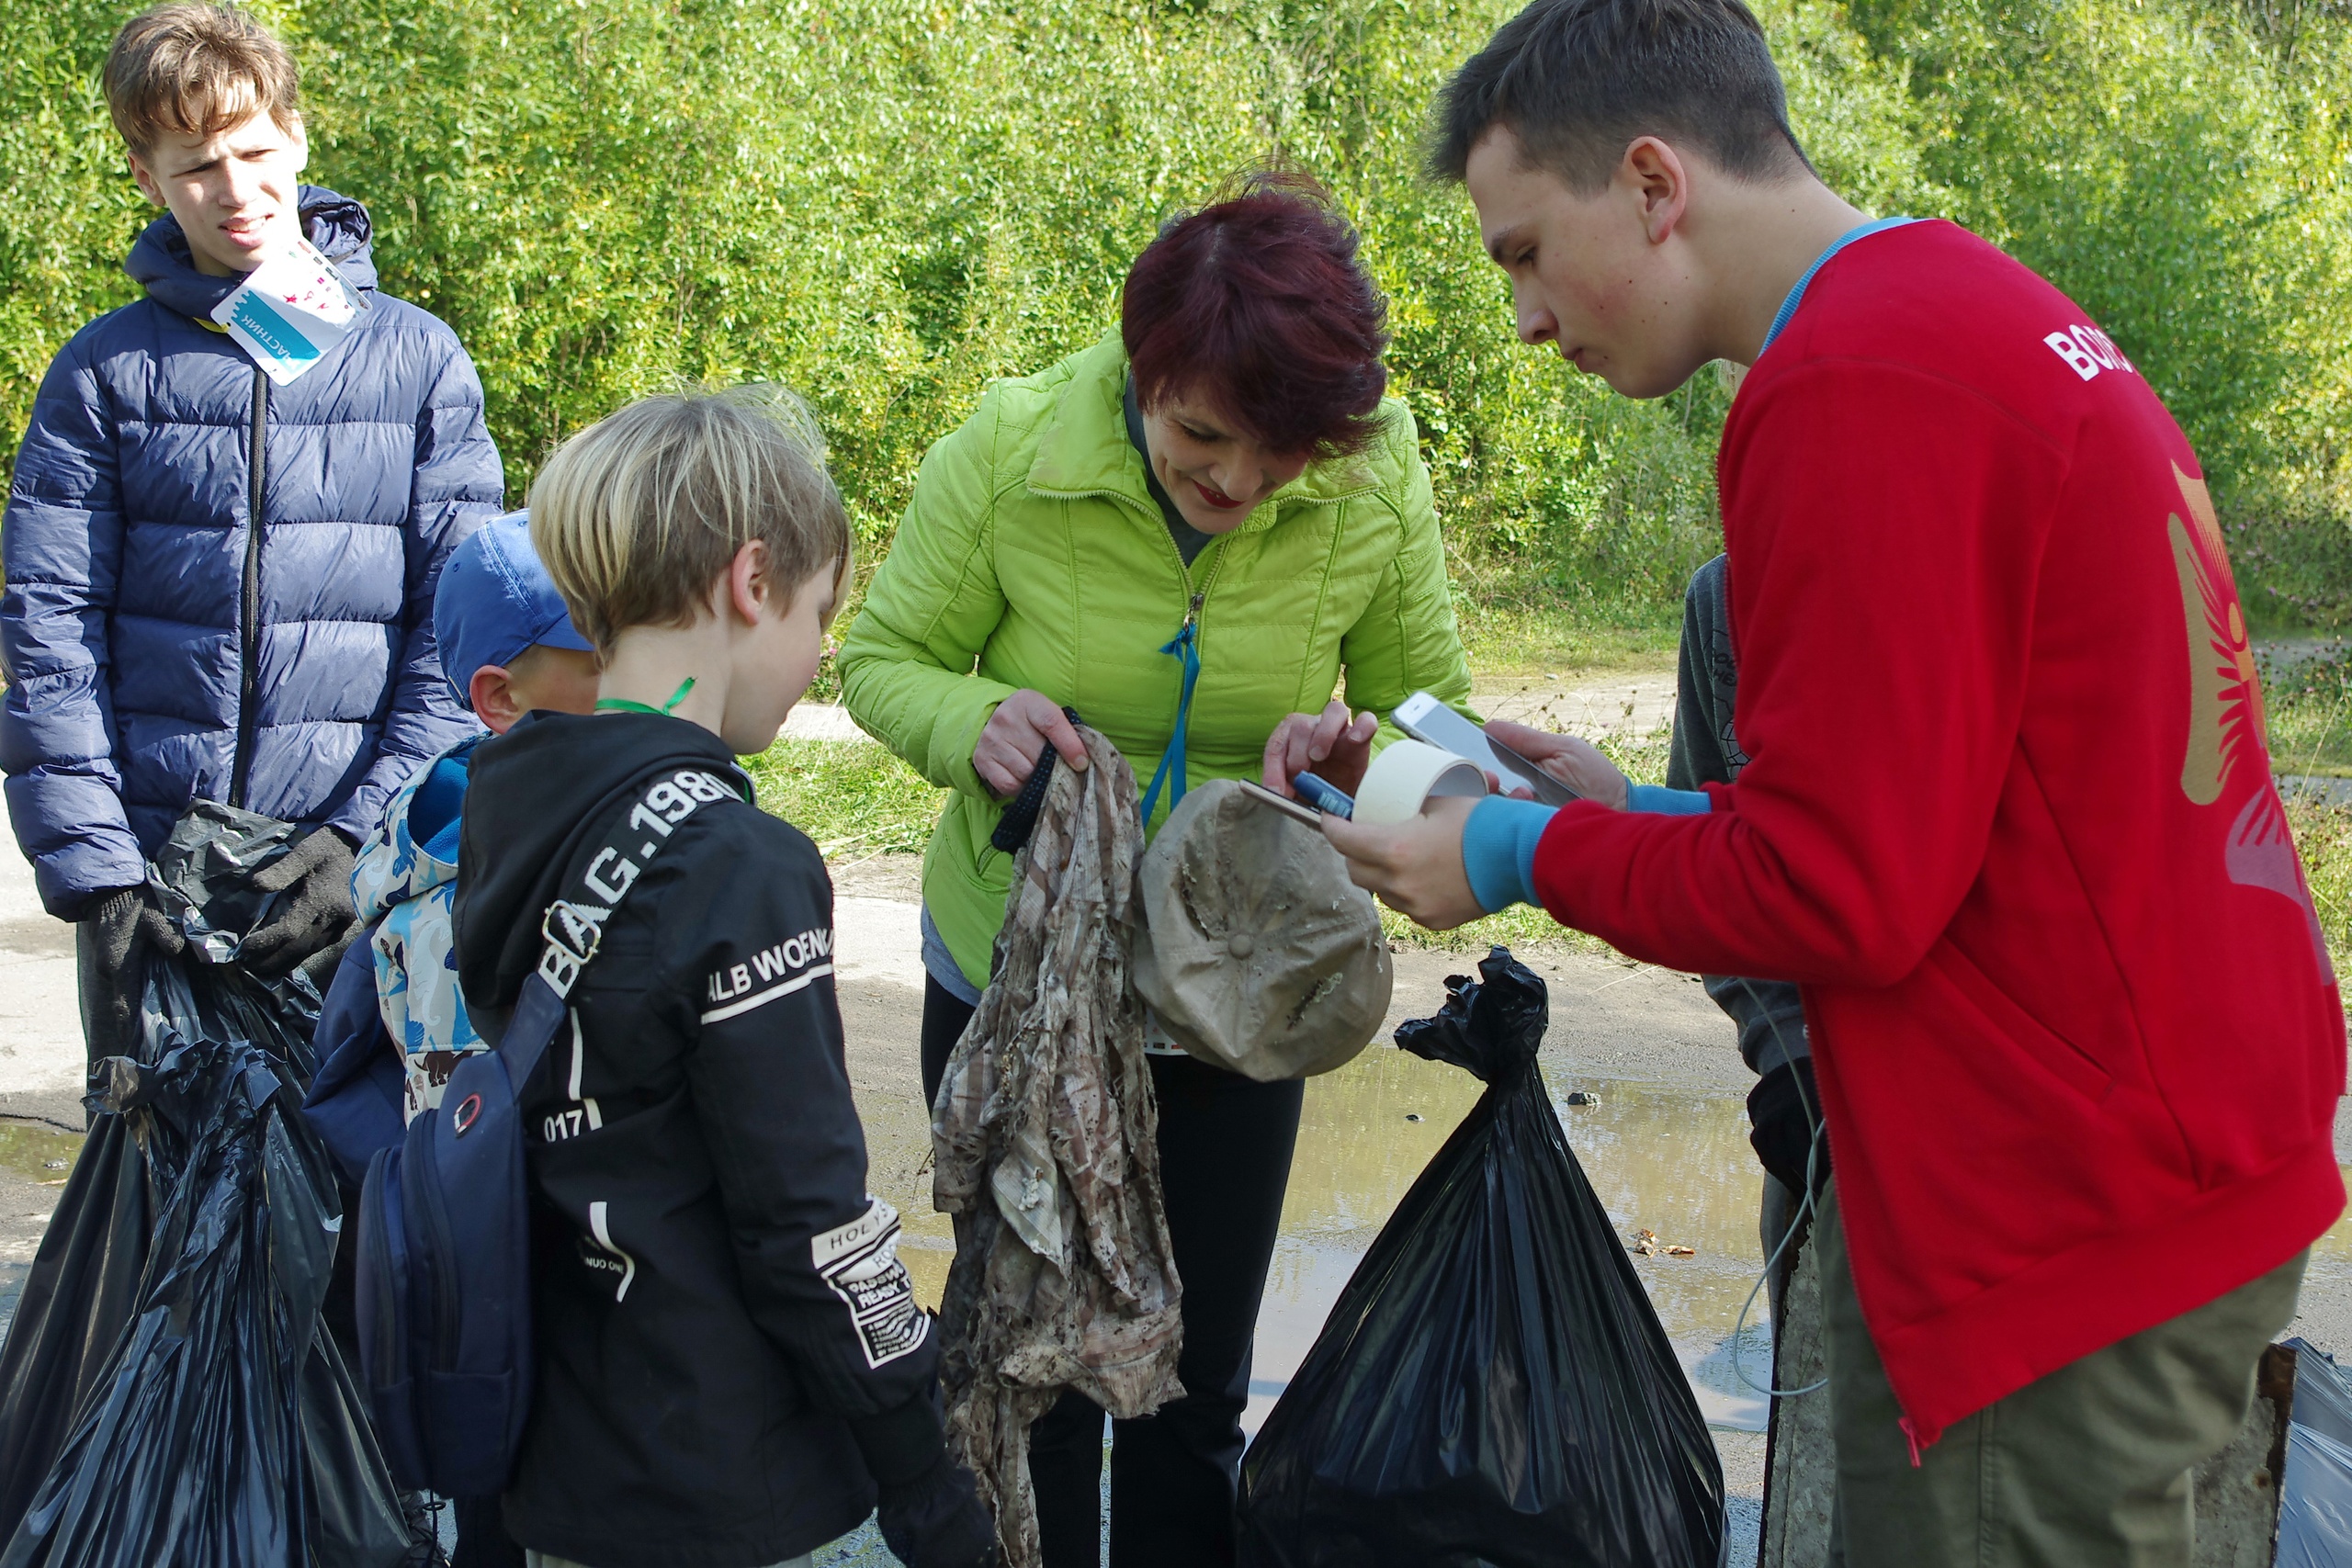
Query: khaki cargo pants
x=2087, y=1467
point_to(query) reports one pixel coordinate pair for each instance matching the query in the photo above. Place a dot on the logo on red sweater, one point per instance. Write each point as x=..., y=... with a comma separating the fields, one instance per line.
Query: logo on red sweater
x=2225, y=718
x=2087, y=351
x=2225, y=723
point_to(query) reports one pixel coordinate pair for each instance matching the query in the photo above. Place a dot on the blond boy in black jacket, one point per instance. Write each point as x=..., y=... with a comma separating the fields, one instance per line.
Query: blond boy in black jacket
x=732, y=1367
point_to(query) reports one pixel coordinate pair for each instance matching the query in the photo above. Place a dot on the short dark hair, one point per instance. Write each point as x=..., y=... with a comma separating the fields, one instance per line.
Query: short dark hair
x=1578, y=81
x=1258, y=304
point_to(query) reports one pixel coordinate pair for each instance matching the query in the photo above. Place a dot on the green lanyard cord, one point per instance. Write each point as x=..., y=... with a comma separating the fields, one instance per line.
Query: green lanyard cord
x=623, y=705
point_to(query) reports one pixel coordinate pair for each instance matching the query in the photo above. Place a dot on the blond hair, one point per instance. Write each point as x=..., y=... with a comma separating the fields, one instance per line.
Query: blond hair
x=637, y=514
x=197, y=69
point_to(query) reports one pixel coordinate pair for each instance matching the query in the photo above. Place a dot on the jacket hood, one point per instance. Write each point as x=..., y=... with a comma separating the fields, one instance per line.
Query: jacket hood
x=535, y=795
x=1085, y=449
x=161, y=262
x=414, y=850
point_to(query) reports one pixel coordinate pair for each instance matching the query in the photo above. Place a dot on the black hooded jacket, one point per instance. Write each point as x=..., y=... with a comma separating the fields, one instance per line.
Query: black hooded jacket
x=730, y=1352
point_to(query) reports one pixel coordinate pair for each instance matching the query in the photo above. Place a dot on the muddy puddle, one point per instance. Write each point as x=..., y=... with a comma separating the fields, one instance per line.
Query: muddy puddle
x=35, y=1161
x=1675, y=1162
x=37, y=1153
x=1671, y=1160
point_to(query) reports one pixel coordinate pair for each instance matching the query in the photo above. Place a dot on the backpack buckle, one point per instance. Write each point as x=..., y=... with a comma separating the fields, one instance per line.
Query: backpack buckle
x=570, y=947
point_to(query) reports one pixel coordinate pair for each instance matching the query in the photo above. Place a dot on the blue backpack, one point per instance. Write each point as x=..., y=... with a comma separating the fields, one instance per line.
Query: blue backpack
x=444, y=1216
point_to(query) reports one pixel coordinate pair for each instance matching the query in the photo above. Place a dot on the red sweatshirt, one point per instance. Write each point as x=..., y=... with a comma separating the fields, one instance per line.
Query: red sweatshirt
x=2010, y=822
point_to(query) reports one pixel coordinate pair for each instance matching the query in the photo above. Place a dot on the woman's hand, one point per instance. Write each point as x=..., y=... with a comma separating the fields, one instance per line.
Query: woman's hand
x=1329, y=745
x=1016, y=735
x=1576, y=763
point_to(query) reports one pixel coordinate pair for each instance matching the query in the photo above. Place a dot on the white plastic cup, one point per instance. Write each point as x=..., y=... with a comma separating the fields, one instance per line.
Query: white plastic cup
x=1407, y=776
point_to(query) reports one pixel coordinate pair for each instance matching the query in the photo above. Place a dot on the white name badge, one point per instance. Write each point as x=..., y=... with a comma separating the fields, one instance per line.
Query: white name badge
x=290, y=311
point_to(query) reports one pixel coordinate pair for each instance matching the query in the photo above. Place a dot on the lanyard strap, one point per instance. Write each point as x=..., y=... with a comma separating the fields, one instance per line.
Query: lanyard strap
x=1186, y=648
x=624, y=705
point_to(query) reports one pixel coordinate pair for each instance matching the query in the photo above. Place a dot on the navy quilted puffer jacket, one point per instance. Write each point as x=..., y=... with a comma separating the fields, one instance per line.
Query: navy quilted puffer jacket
x=159, y=649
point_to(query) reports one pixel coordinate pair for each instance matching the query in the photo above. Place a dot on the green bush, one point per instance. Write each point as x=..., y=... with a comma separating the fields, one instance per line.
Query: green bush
x=886, y=203
x=2187, y=176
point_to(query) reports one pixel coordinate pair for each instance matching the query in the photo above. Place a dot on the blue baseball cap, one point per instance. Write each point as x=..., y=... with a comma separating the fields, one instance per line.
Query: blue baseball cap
x=495, y=600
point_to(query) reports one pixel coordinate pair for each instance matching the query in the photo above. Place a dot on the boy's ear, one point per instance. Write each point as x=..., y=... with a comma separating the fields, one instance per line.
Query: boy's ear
x=748, y=585
x=1660, y=182
x=144, y=177
x=492, y=693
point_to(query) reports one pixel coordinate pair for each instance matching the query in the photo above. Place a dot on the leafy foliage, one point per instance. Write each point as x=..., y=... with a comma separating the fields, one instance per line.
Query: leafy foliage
x=886, y=203
x=2185, y=172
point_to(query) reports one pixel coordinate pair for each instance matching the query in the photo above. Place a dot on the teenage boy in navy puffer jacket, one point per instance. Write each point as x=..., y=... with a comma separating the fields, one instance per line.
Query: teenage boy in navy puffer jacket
x=219, y=588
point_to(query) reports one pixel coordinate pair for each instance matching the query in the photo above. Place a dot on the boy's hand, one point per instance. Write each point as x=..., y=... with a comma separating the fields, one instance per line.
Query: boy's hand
x=1016, y=734
x=124, y=926
x=936, y=1520
x=1333, y=747
x=1413, y=867
x=315, y=914
x=1576, y=763
x=1783, y=1113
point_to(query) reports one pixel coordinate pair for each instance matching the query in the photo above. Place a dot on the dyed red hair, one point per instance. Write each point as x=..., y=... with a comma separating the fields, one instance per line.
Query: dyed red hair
x=1257, y=306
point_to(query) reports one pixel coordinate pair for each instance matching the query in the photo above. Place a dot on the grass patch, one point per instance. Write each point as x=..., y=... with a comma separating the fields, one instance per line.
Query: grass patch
x=2309, y=709
x=852, y=796
x=1519, y=928
x=2324, y=834
x=1509, y=638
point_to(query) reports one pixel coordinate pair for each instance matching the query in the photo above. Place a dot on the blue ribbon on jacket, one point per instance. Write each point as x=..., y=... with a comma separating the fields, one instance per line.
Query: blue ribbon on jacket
x=1186, y=649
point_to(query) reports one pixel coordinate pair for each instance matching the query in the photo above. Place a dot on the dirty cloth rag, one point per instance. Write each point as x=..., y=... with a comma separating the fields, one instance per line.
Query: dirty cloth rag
x=1045, y=1137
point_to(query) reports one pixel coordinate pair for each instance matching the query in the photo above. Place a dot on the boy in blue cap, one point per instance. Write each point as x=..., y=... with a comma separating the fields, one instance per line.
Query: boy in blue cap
x=509, y=647
x=394, y=1025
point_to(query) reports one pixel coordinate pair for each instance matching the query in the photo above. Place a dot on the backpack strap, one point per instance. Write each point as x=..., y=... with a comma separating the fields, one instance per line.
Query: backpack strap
x=574, y=924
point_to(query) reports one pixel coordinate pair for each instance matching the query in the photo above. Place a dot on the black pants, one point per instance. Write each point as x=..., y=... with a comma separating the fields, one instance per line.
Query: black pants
x=1225, y=1149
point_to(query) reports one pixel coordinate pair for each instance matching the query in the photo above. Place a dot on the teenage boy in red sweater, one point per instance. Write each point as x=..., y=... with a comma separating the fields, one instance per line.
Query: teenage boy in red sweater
x=2008, y=818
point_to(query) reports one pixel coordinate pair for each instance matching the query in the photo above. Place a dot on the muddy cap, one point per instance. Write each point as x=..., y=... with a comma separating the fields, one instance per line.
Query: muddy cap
x=1260, y=957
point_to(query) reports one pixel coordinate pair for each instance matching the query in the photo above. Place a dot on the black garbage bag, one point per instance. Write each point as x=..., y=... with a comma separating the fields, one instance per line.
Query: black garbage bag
x=77, y=1300
x=218, y=1427
x=1492, y=1388
x=2315, y=1489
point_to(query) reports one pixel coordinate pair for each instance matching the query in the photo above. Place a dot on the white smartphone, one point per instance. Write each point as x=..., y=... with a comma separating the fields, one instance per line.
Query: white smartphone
x=1424, y=718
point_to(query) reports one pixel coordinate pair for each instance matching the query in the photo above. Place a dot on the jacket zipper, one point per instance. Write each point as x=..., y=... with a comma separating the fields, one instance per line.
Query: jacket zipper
x=1199, y=594
x=249, y=618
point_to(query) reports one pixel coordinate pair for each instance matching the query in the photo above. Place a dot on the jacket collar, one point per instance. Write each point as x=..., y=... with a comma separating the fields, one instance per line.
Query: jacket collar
x=1085, y=450
x=161, y=263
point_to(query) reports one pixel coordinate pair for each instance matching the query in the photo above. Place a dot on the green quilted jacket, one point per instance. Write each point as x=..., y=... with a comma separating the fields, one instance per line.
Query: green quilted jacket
x=1032, y=555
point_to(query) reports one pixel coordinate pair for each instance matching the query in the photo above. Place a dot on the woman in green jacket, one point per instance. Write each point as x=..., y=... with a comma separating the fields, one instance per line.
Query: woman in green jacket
x=1189, y=534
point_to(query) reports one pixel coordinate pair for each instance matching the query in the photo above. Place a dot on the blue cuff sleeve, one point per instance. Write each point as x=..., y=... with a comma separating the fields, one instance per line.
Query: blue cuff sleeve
x=1498, y=851
x=1669, y=801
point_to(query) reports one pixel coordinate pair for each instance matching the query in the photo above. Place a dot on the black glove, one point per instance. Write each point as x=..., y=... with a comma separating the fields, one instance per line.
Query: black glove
x=121, y=926
x=314, y=918
x=936, y=1521
x=1783, y=1112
